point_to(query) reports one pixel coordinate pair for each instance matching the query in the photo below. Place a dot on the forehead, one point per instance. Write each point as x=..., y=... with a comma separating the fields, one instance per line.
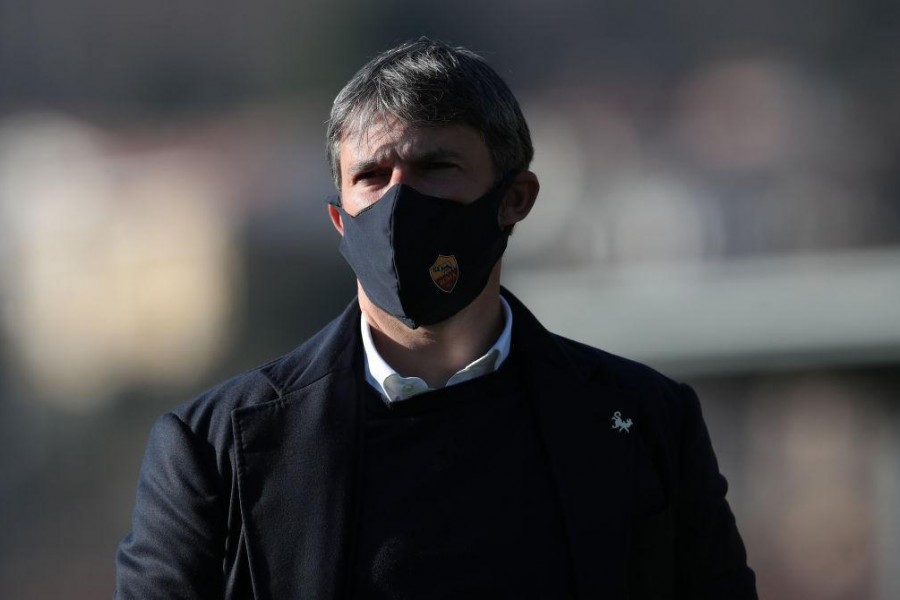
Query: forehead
x=385, y=139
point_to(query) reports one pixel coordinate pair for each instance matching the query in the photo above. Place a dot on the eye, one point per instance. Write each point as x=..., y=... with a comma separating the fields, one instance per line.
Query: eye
x=371, y=175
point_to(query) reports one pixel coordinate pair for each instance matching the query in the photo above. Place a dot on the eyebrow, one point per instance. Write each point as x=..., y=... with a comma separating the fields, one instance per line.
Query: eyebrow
x=361, y=167
x=434, y=154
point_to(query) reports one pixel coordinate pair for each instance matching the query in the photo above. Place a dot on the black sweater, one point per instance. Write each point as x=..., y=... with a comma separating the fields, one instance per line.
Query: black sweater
x=458, y=499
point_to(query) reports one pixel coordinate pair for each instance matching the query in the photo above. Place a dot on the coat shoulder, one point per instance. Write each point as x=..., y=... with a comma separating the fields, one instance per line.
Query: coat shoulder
x=214, y=406
x=618, y=371
x=208, y=415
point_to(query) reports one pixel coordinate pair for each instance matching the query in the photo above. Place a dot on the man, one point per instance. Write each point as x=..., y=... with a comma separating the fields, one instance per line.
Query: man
x=434, y=441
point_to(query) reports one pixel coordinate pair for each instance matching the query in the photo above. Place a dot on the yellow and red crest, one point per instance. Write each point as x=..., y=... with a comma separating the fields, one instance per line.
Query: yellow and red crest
x=445, y=272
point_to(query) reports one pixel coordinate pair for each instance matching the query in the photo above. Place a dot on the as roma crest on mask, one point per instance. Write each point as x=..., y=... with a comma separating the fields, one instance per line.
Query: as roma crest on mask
x=445, y=272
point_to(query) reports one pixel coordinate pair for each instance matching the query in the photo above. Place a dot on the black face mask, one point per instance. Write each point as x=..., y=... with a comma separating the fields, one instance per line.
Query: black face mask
x=423, y=259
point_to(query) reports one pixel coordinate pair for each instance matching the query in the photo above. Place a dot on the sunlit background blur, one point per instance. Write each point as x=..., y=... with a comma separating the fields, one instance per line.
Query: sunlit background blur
x=720, y=198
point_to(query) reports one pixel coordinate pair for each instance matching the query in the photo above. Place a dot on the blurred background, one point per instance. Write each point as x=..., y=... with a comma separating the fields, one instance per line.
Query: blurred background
x=720, y=199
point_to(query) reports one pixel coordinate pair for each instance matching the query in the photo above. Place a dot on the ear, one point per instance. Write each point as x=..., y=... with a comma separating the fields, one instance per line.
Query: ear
x=519, y=199
x=335, y=215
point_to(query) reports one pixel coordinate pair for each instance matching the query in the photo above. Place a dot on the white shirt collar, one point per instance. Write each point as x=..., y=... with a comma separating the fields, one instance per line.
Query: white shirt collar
x=394, y=386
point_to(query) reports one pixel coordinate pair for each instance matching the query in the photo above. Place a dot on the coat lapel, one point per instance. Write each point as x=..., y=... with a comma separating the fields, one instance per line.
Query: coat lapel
x=591, y=461
x=298, y=462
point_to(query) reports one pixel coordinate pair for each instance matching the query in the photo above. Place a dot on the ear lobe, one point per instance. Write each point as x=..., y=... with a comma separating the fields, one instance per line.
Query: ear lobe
x=519, y=199
x=335, y=215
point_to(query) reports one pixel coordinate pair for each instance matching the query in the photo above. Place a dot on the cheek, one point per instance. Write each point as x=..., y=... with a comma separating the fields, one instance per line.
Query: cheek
x=355, y=201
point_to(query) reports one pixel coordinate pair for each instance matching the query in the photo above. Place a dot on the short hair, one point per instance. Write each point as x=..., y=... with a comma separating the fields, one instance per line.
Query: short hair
x=426, y=83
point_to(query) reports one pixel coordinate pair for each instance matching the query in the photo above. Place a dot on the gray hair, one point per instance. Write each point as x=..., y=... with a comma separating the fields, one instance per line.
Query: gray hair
x=425, y=84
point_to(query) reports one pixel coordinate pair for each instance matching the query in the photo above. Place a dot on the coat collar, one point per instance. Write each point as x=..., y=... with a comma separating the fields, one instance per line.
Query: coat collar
x=299, y=459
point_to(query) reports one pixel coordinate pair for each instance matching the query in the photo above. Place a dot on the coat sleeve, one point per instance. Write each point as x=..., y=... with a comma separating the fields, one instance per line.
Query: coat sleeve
x=709, y=553
x=175, y=548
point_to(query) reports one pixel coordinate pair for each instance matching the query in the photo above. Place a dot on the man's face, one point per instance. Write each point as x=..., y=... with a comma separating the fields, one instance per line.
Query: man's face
x=450, y=161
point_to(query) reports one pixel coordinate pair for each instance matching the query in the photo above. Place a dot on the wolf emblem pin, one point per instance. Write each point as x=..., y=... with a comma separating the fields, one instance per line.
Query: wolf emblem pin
x=619, y=424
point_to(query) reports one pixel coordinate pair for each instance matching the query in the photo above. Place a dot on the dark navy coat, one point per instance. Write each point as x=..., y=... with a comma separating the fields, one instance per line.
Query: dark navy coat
x=252, y=489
